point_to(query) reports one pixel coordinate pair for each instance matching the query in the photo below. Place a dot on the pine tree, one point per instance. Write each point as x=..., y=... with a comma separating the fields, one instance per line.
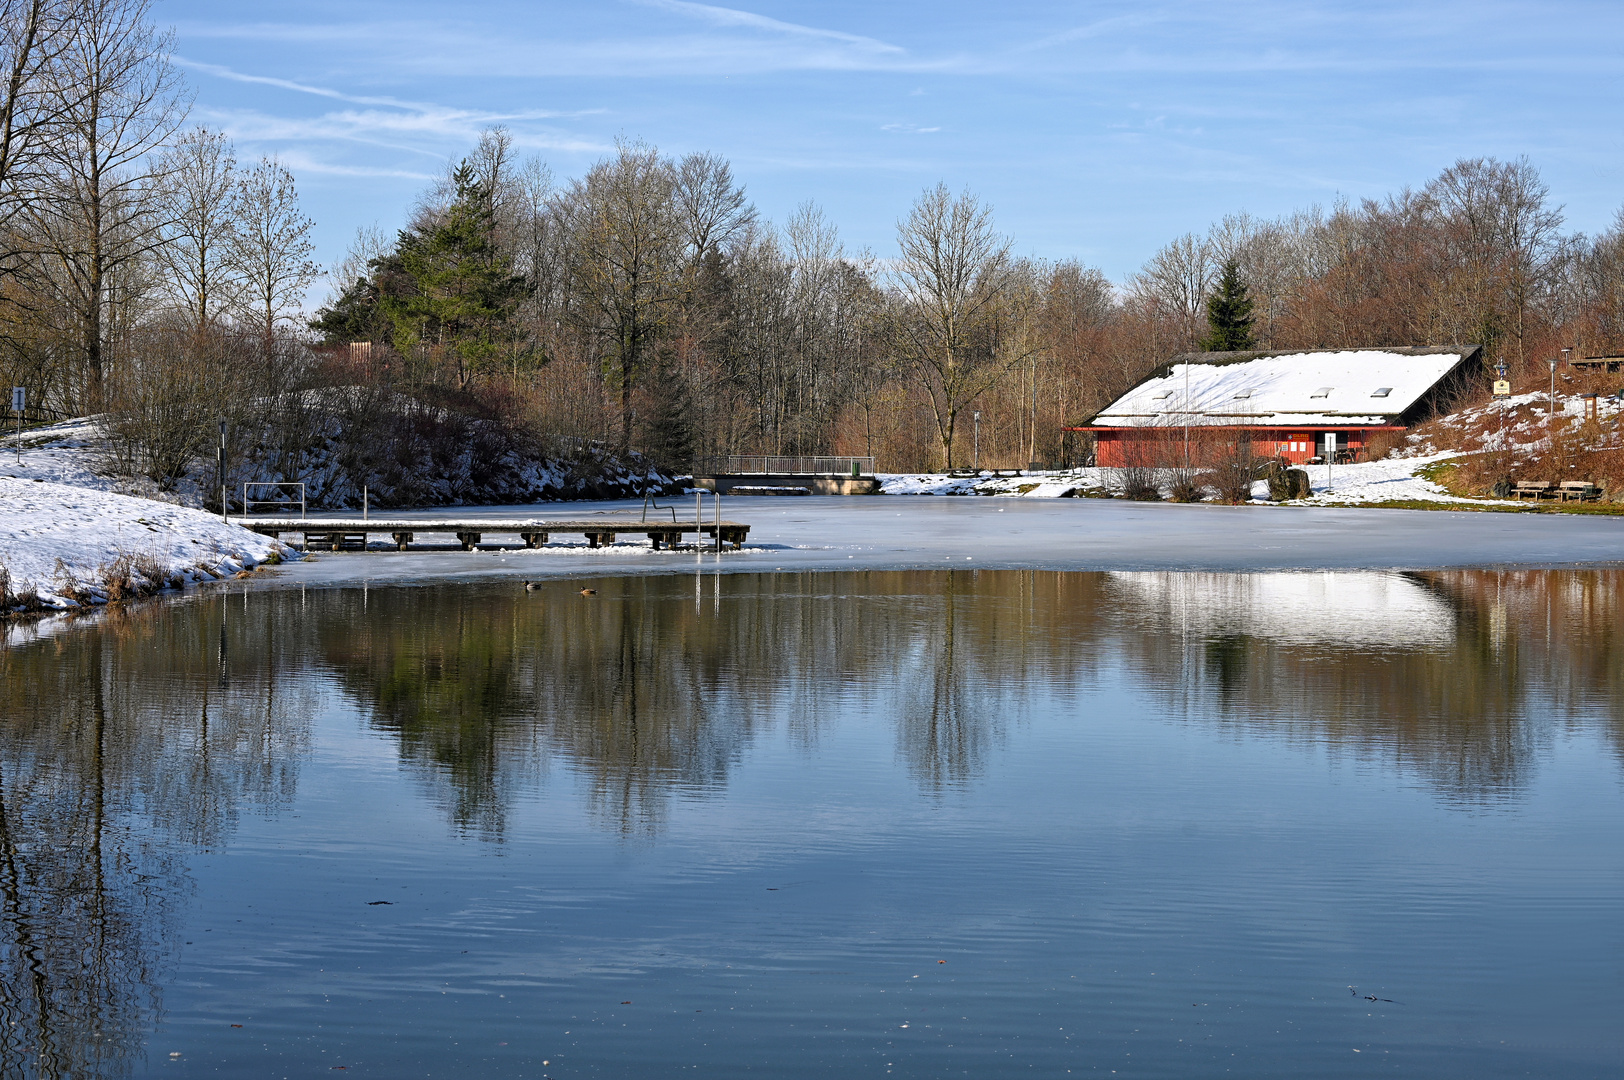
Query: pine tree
x=452, y=289
x=1229, y=314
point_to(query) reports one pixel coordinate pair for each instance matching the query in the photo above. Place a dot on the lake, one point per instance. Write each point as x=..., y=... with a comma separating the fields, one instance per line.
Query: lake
x=878, y=823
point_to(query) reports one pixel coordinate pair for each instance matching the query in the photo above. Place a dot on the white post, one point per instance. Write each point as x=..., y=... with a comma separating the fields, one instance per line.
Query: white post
x=19, y=404
x=363, y=502
x=221, y=458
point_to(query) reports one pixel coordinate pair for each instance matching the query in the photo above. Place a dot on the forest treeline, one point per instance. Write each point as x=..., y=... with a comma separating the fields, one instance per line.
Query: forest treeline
x=646, y=305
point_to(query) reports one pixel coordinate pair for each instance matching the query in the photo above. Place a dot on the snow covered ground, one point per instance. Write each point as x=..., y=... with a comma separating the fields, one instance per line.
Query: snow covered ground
x=69, y=453
x=1389, y=480
x=62, y=541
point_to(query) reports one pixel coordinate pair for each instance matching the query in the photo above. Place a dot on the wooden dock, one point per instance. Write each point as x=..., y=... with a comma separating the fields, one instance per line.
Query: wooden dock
x=350, y=534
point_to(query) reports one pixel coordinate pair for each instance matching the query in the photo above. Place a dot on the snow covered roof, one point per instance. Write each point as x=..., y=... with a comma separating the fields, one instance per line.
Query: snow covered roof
x=1346, y=387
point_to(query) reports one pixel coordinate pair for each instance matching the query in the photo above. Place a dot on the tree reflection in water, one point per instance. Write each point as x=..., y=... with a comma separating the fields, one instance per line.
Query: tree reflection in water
x=123, y=746
x=658, y=685
x=130, y=742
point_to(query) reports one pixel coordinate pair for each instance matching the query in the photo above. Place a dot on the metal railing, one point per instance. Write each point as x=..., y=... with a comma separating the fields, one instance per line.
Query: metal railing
x=783, y=465
x=283, y=497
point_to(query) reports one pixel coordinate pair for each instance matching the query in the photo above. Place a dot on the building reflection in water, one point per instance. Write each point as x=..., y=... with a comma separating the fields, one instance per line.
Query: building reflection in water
x=132, y=742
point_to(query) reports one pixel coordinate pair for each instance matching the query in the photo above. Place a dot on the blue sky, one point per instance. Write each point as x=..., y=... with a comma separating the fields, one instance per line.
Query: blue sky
x=1096, y=130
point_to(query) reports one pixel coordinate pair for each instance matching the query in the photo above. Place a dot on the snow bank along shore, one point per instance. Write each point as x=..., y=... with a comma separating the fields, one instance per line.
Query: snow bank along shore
x=1367, y=483
x=66, y=546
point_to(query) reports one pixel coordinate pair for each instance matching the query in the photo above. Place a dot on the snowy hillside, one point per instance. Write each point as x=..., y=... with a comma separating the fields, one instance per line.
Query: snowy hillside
x=67, y=545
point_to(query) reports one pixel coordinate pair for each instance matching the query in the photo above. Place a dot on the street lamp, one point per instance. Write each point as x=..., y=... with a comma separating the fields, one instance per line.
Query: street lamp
x=975, y=461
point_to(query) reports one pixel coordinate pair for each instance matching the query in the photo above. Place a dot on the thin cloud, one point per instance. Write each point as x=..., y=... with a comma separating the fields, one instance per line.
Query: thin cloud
x=300, y=162
x=219, y=71
x=721, y=16
x=733, y=42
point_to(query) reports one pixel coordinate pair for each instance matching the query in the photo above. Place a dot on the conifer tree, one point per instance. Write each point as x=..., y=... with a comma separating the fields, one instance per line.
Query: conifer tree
x=451, y=288
x=1229, y=314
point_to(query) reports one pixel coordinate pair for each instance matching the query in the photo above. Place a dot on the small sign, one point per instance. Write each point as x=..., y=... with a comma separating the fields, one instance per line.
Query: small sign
x=19, y=399
x=1330, y=442
x=1502, y=388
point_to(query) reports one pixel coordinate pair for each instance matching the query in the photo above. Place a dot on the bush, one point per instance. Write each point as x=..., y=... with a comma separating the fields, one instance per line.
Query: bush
x=1140, y=485
x=1185, y=488
x=1233, y=482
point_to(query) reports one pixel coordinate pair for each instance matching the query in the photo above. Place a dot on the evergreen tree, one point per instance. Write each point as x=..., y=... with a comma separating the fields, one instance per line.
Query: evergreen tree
x=451, y=288
x=1229, y=314
x=353, y=316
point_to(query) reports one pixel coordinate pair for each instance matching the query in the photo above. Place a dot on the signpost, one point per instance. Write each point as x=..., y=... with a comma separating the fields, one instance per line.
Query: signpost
x=19, y=404
x=220, y=465
x=1502, y=390
x=1330, y=456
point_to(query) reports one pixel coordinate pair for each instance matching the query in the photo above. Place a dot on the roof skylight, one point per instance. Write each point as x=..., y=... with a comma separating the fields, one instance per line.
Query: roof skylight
x=1324, y=391
x=1245, y=393
x=1382, y=391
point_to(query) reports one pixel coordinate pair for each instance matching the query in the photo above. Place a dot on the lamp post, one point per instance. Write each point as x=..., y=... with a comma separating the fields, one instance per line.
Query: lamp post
x=975, y=460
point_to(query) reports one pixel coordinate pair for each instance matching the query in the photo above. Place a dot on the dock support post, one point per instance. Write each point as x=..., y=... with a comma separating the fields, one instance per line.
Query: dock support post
x=470, y=540
x=402, y=539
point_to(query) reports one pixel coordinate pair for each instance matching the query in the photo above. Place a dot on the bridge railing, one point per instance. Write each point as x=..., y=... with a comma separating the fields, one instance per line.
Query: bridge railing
x=783, y=465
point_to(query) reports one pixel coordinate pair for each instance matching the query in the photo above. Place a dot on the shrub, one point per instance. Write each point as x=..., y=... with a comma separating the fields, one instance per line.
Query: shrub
x=1233, y=482
x=1139, y=484
x=1185, y=488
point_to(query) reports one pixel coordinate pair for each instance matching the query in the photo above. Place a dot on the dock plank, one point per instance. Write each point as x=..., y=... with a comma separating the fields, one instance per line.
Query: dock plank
x=351, y=533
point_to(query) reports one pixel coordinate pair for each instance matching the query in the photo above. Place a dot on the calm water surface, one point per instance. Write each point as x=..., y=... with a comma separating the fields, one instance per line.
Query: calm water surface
x=906, y=824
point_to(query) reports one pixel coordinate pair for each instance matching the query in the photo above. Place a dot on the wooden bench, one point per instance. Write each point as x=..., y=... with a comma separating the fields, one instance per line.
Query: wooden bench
x=1532, y=489
x=1579, y=491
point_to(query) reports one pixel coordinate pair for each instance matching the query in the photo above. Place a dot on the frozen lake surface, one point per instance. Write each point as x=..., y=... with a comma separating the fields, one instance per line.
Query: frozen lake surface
x=916, y=532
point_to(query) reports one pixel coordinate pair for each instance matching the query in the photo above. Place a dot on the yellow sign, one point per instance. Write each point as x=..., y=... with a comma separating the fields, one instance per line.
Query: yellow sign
x=1502, y=388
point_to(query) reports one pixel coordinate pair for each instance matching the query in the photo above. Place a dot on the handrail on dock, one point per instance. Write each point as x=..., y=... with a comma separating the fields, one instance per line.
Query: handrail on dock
x=783, y=465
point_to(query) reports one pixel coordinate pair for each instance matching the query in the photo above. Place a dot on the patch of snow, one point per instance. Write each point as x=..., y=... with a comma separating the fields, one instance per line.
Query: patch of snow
x=58, y=538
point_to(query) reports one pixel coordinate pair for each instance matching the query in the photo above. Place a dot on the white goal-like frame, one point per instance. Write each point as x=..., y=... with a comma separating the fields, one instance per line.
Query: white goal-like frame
x=284, y=498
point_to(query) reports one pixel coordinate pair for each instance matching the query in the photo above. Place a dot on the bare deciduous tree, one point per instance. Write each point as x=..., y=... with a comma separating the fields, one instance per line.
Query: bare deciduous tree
x=271, y=248
x=961, y=318
x=197, y=206
x=712, y=209
x=118, y=98
x=625, y=270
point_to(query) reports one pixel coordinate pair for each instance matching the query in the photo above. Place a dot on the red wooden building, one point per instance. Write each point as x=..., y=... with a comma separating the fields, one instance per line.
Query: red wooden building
x=1285, y=403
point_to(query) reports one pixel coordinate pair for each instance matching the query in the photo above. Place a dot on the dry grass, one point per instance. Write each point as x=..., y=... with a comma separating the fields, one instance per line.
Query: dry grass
x=13, y=603
x=1381, y=444
x=134, y=576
